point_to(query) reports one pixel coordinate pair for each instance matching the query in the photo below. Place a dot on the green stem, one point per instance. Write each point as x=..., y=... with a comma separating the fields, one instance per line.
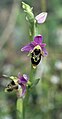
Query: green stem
x=34, y=32
x=32, y=73
x=31, y=31
x=35, y=29
x=23, y=111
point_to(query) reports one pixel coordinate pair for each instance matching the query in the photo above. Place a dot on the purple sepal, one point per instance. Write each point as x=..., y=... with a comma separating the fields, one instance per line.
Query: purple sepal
x=38, y=39
x=28, y=47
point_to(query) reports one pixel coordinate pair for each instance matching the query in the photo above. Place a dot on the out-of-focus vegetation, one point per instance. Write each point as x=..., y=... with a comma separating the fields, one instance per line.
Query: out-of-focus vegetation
x=14, y=34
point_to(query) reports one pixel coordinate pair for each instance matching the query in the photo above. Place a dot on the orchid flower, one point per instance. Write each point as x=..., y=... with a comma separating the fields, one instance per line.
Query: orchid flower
x=18, y=84
x=37, y=49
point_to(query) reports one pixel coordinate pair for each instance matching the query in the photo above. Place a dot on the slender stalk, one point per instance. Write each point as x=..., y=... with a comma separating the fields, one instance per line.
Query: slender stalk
x=34, y=32
x=23, y=111
x=24, y=104
x=31, y=31
x=35, y=29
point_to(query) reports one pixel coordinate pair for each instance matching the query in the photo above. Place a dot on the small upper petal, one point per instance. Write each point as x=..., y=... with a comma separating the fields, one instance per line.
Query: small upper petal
x=28, y=47
x=41, y=17
x=43, y=45
x=45, y=52
x=38, y=39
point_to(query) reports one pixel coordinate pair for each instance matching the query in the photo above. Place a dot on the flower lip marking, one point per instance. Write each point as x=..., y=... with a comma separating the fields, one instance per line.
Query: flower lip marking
x=11, y=86
x=36, y=55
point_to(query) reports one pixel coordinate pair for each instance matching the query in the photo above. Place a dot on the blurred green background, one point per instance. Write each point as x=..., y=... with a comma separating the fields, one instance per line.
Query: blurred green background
x=14, y=34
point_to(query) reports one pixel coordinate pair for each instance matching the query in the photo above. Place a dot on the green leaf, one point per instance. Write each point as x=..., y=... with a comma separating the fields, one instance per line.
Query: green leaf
x=32, y=84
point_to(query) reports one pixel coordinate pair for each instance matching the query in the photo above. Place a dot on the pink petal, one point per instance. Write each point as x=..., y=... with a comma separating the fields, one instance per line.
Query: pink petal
x=41, y=17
